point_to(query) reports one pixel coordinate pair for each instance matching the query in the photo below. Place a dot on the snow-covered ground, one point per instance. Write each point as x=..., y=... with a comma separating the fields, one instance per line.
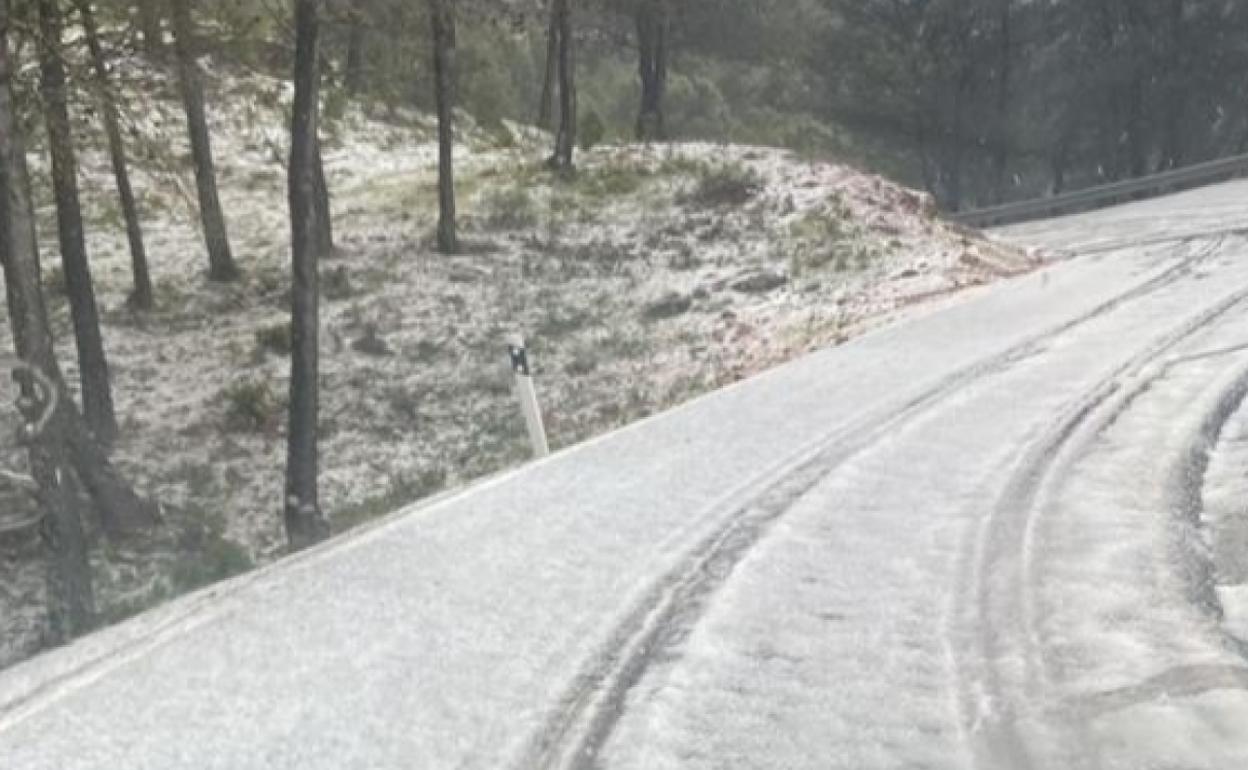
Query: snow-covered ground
x=1000, y=533
x=655, y=275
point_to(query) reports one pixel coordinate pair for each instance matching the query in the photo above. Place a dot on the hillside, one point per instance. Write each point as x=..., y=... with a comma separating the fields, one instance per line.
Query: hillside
x=654, y=275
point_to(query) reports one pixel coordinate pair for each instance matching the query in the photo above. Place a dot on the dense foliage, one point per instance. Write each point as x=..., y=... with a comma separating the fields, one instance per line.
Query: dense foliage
x=976, y=100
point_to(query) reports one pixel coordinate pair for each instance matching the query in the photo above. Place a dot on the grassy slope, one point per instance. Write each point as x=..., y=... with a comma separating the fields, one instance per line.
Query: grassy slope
x=654, y=275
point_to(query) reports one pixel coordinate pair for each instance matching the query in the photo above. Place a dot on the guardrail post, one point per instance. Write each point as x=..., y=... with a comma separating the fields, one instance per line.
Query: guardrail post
x=526, y=394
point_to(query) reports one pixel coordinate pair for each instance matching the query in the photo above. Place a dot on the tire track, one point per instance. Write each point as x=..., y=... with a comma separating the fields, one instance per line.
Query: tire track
x=999, y=579
x=1189, y=555
x=587, y=715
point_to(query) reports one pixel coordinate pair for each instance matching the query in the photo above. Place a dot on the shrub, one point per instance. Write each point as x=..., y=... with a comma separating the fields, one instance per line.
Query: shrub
x=251, y=407
x=336, y=284
x=510, y=208
x=334, y=104
x=613, y=179
x=274, y=339
x=592, y=131
x=208, y=558
x=404, y=489
x=829, y=236
x=726, y=185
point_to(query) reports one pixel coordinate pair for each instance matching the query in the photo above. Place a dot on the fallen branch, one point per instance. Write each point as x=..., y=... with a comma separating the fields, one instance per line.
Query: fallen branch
x=25, y=483
x=22, y=525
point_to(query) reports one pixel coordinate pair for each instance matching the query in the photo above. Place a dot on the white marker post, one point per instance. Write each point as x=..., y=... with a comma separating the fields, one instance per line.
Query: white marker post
x=527, y=395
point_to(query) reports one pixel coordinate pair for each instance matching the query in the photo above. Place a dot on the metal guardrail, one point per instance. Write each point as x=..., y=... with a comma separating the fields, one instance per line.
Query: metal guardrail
x=1105, y=195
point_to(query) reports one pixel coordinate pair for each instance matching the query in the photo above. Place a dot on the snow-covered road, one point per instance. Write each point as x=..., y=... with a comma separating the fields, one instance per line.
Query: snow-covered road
x=999, y=534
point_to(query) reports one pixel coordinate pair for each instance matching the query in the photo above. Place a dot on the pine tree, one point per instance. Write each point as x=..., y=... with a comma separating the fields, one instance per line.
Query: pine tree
x=221, y=265
x=305, y=524
x=97, y=395
x=141, y=298
x=442, y=21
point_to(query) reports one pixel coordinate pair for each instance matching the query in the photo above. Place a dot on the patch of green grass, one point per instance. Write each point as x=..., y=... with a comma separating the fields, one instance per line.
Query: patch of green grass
x=274, y=339
x=682, y=165
x=584, y=361
x=200, y=555
x=198, y=476
x=623, y=344
x=592, y=130
x=262, y=178
x=209, y=558
x=270, y=282
x=507, y=208
x=561, y=321
x=169, y=294
x=612, y=180
x=107, y=215
x=501, y=137
x=829, y=236
x=251, y=407
x=724, y=186
x=336, y=284
x=403, y=490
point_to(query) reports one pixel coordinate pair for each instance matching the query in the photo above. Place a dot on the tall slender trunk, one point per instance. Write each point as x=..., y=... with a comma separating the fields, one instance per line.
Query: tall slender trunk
x=922, y=148
x=1138, y=30
x=1001, y=139
x=71, y=595
x=955, y=136
x=304, y=522
x=97, y=396
x=565, y=140
x=353, y=75
x=1108, y=94
x=121, y=510
x=652, y=40
x=1111, y=140
x=71, y=598
x=150, y=28
x=221, y=265
x=1137, y=140
x=141, y=297
x=546, y=107
x=324, y=214
x=442, y=17
x=1059, y=159
x=1176, y=91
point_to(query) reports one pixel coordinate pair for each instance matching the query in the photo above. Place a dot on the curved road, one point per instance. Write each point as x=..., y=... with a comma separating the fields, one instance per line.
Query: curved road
x=979, y=538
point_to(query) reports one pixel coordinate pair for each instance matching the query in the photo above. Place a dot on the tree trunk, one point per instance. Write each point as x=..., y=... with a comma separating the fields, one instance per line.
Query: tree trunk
x=353, y=76
x=150, y=28
x=221, y=266
x=1176, y=90
x=1058, y=160
x=565, y=140
x=97, y=397
x=652, y=39
x=141, y=298
x=304, y=523
x=1001, y=140
x=71, y=597
x=931, y=181
x=70, y=593
x=1137, y=141
x=546, y=108
x=324, y=214
x=121, y=510
x=443, y=22
x=954, y=161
